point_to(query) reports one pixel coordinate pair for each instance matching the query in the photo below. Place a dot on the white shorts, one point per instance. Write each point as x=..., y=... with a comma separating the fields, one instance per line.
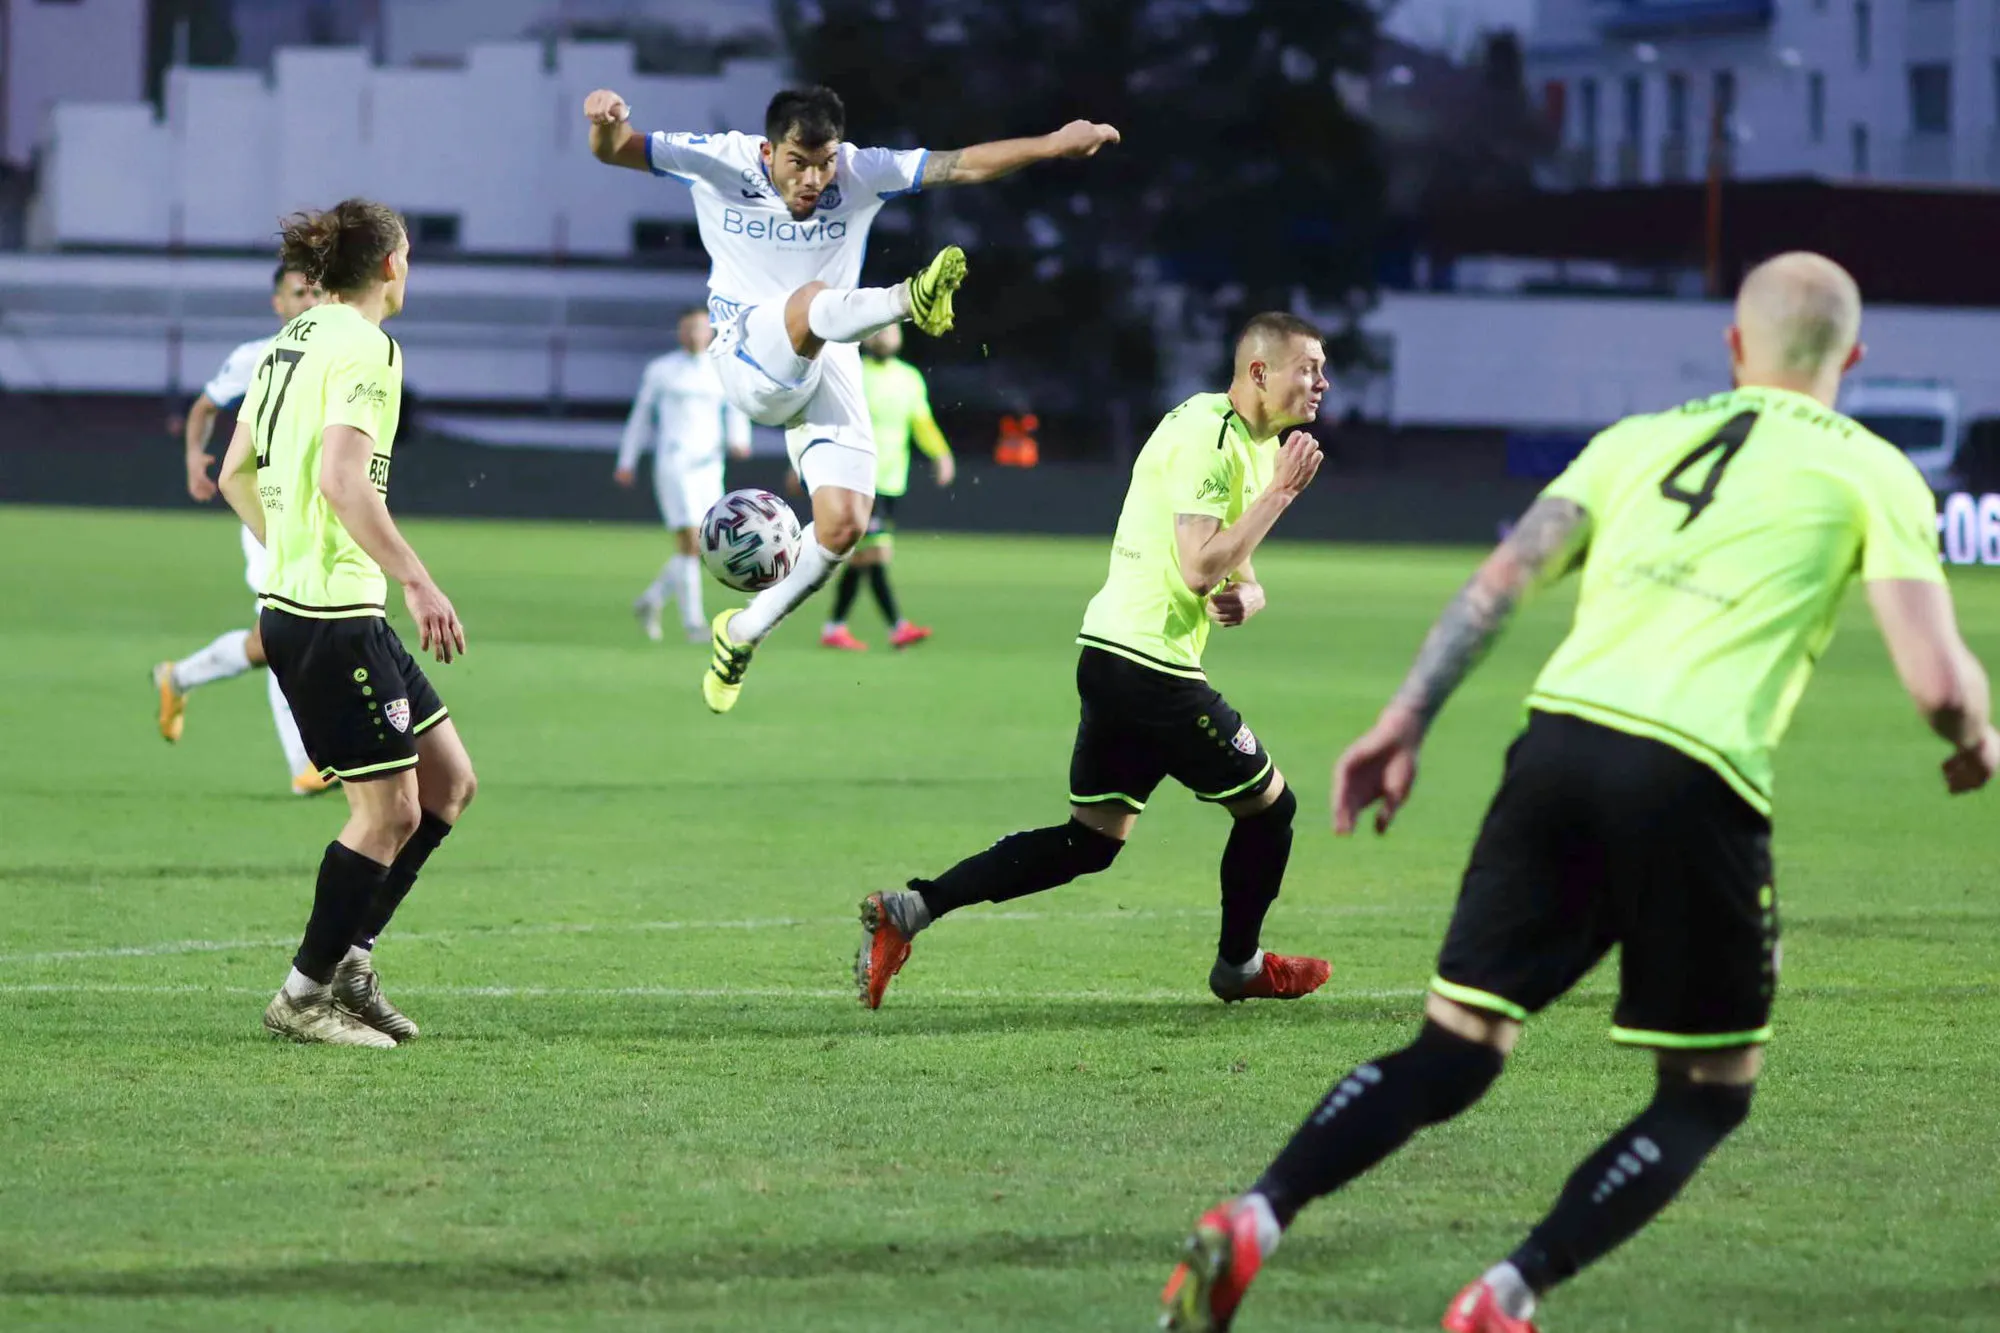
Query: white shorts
x=686, y=493
x=254, y=562
x=817, y=400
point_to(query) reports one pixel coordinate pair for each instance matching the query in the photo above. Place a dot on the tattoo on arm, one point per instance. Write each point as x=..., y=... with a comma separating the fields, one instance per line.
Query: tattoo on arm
x=1546, y=544
x=942, y=168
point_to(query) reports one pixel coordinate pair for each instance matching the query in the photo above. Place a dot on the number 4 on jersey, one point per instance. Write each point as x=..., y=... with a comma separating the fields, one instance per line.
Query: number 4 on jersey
x=1722, y=447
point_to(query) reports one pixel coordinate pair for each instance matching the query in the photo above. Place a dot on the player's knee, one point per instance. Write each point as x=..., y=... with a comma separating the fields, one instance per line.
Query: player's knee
x=841, y=529
x=1454, y=1071
x=459, y=790
x=1277, y=815
x=1091, y=852
x=396, y=818
x=1717, y=1107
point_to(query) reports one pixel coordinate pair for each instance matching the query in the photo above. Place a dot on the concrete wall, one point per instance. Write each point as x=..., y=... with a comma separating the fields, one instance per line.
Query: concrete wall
x=500, y=143
x=1580, y=363
x=87, y=51
x=133, y=324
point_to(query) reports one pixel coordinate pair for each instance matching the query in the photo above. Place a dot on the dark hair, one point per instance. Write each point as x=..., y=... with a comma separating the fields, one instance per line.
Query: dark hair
x=1278, y=324
x=278, y=275
x=341, y=249
x=814, y=116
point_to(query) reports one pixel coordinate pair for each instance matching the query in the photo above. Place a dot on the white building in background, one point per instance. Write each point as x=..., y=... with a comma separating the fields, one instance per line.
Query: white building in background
x=79, y=50
x=488, y=158
x=1877, y=90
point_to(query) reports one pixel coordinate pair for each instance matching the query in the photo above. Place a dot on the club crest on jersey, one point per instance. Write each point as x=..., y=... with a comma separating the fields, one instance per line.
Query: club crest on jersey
x=1244, y=740
x=398, y=713
x=829, y=198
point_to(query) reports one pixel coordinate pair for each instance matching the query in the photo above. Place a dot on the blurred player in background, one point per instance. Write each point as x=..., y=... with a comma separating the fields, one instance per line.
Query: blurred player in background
x=239, y=650
x=682, y=417
x=899, y=408
x=1206, y=491
x=1716, y=541
x=308, y=471
x=785, y=218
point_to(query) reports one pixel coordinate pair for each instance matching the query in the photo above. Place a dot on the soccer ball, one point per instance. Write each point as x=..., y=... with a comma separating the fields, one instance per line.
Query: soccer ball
x=750, y=540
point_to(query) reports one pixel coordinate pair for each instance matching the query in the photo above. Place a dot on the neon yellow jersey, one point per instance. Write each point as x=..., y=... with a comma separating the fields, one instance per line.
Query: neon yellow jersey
x=897, y=400
x=328, y=367
x=1724, y=534
x=1200, y=460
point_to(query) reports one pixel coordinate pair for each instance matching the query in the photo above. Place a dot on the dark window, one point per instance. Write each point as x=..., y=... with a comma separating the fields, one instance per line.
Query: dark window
x=1864, y=37
x=430, y=232
x=1635, y=109
x=1677, y=107
x=1857, y=148
x=1930, y=99
x=1816, y=107
x=653, y=236
x=1586, y=112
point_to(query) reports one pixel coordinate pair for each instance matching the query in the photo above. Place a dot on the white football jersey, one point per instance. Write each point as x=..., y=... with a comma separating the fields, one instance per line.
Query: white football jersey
x=757, y=250
x=681, y=412
x=238, y=369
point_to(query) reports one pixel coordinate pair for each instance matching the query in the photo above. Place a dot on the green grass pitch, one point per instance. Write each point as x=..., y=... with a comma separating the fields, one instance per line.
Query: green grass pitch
x=646, y=1098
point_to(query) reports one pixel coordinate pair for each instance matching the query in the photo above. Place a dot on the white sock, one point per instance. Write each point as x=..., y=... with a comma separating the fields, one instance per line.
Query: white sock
x=816, y=566
x=222, y=659
x=1269, y=1233
x=661, y=587
x=1242, y=973
x=297, y=761
x=357, y=954
x=685, y=571
x=1510, y=1291
x=299, y=986
x=858, y=312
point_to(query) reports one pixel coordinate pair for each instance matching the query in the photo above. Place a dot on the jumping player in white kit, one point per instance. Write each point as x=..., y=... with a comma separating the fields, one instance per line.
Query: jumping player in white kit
x=784, y=218
x=683, y=418
x=238, y=651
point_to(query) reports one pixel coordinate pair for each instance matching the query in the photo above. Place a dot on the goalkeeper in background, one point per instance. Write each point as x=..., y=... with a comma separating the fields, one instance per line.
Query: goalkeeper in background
x=900, y=407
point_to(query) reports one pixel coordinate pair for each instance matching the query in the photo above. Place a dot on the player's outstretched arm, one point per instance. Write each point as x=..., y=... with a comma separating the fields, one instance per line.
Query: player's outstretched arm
x=238, y=480
x=613, y=141
x=1381, y=767
x=1949, y=686
x=990, y=161
x=350, y=492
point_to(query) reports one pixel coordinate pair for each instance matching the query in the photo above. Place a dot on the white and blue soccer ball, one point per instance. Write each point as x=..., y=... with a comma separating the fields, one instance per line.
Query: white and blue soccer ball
x=750, y=540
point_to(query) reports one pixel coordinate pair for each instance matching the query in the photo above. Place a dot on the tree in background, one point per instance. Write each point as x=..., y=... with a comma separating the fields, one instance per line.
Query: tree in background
x=1244, y=177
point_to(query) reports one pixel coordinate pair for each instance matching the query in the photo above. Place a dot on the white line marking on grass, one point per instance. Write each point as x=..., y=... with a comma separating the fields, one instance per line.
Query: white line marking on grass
x=983, y=994
x=916, y=995
x=170, y=948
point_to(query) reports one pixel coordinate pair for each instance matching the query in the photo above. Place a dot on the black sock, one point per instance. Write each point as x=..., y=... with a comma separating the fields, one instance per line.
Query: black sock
x=1624, y=1184
x=878, y=579
x=347, y=884
x=1253, y=868
x=1374, y=1111
x=843, y=594
x=402, y=875
x=1020, y=864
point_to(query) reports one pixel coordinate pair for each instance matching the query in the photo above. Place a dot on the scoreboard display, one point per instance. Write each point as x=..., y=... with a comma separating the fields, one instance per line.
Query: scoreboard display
x=1969, y=528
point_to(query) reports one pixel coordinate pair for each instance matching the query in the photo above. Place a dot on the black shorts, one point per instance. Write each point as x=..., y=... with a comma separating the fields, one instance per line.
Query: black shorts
x=882, y=518
x=1140, y=725
x=358, y=697
x=1597, y=838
